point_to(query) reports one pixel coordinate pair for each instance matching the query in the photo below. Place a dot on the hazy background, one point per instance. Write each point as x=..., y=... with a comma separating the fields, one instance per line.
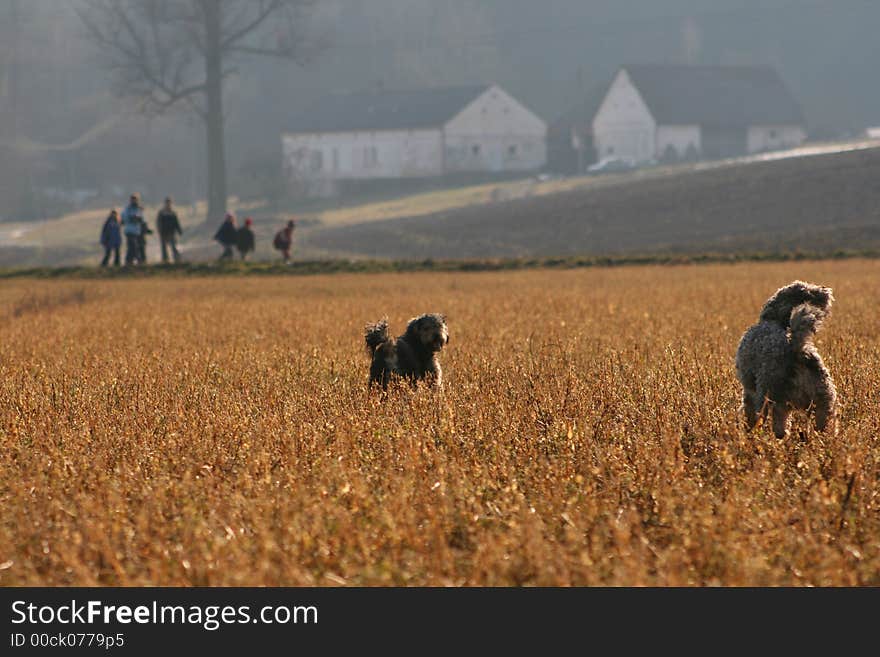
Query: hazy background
x=55, y=97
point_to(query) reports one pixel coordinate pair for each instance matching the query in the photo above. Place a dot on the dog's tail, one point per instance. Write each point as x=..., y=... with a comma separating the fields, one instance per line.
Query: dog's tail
x=806, y=320
x=376, y=335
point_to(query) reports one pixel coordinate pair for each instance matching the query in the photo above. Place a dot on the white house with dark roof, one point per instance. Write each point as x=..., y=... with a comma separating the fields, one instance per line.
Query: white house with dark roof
x=417, y=133
x=669, y=113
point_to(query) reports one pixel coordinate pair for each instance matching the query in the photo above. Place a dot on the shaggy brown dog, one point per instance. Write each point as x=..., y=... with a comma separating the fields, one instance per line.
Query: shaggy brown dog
x=412, y=356
x=778, y=364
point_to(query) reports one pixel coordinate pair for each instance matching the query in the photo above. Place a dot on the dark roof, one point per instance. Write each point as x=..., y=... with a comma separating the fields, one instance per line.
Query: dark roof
x=581, y=115
x=386, y=109
x=715, y=95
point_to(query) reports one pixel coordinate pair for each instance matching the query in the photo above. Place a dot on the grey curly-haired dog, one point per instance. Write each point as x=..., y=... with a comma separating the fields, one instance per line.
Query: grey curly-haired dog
x=411, y=356
x=778, y=364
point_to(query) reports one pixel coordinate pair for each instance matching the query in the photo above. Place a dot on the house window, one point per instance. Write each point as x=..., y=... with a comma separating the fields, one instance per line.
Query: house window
x=475, y=149
x=511, y=150
x=316, y=161
x=772, y=134
x=609, y=150
x=336, y=159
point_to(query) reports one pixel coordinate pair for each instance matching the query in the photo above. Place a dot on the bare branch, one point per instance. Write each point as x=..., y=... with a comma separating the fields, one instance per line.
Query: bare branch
x=146, y=49
x=156, y=48
x=265, y=9
x=194, y=106
x=290, y=33
x=256, y=50
x=180, y=52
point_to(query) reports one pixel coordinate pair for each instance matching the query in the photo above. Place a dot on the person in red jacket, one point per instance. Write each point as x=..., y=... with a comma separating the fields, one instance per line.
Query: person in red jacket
x=284, y=240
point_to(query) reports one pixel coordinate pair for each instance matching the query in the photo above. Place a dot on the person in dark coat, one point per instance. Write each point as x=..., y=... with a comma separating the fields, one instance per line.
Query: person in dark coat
x=168, y=226
x=111, y=238
x=227, y=235
x=245, y=241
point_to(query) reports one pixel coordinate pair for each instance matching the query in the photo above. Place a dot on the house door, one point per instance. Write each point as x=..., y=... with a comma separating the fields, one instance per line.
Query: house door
x=496, y=158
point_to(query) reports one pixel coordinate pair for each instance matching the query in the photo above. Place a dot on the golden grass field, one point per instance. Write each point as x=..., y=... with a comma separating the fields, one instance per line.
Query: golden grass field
x=218, y=431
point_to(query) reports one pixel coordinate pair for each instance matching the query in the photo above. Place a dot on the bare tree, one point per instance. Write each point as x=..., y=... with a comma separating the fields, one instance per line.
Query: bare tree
x=170, y=52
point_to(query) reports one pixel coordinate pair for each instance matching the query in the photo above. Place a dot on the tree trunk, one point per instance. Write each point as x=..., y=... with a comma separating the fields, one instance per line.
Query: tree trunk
x=214, y=114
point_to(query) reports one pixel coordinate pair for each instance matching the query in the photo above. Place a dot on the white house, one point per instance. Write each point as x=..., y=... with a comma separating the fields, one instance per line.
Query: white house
x=418, y=133
x=671, y=113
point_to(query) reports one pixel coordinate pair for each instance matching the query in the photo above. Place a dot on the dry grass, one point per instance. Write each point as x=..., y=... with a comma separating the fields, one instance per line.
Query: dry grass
x=218, y=431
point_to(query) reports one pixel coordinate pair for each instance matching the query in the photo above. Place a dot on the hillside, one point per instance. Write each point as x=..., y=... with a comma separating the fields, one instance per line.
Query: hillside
x=823, y=203
x=820, y=198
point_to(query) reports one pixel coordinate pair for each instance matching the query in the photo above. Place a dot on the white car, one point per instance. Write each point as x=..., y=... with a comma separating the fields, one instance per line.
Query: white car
x=610, y=165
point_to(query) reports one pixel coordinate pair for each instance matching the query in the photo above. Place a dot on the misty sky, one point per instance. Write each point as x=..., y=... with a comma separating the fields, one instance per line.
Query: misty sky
x=549, y=54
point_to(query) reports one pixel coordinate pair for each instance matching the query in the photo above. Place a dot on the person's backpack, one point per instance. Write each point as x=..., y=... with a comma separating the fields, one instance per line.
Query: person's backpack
x=279, y=242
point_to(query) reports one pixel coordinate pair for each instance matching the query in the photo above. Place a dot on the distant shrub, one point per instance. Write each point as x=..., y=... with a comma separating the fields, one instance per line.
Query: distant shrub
x=41, y=303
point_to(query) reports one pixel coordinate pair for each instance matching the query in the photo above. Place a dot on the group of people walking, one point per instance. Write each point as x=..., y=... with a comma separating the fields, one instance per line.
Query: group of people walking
x=131, y=225
x=232, y=237
x=243, y=239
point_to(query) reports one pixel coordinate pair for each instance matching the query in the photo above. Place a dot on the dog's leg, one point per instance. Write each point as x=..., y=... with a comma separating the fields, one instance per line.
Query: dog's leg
x=780, y=419
x=434, y=376
x=750, y=409
x=379, y=374
x=762, y=402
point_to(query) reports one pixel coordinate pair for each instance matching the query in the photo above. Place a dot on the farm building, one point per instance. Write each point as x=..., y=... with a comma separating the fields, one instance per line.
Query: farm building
x=668, y=113
x=570, y=146
x=382, y=134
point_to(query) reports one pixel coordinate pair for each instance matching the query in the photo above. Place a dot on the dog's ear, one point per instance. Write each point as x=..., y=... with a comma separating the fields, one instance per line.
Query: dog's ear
x=414, y=325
